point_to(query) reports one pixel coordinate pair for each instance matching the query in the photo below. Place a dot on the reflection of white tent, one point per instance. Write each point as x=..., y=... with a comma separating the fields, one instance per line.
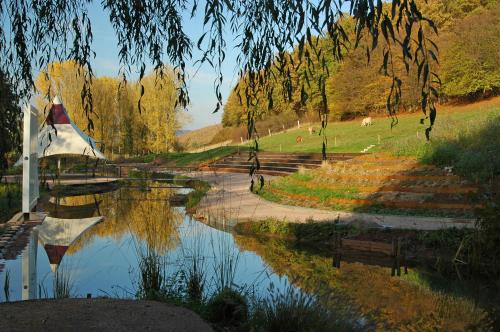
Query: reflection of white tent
x=72, y=211
x=57, y=235
x=60, y=136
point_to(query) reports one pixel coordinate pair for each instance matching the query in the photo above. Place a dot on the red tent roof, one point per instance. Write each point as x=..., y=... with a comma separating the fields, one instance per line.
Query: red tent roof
x=57, y=115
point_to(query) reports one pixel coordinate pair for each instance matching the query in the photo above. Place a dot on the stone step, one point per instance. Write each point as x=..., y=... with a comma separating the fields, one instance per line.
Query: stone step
x=264, y=163
x=243, y=170
x=318, y=157
x=310, y=155
x=290, y=169
x=275, y=160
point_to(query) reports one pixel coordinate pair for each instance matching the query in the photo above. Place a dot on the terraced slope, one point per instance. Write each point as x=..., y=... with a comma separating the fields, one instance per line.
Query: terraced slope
x=274, y=163
x=378, y=183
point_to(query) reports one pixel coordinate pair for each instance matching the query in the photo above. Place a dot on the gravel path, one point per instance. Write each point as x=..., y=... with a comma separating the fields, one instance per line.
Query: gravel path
x=97, y=315
x=230, y=201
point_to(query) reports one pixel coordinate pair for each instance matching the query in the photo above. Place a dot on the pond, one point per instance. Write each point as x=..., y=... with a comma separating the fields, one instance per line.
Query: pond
x=96, y=241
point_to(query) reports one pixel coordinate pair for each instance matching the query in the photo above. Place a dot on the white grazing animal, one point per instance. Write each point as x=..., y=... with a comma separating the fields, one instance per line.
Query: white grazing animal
x=366, y=122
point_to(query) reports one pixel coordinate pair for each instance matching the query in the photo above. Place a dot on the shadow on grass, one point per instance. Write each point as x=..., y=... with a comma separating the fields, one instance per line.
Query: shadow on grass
x=473, y=153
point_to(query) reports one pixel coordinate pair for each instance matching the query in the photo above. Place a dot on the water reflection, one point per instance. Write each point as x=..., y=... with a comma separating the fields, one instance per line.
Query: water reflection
x=146, y=214
x=102, y=257
x=57, y=235
x=62, y=207
x=30, y=268
x=391, y=303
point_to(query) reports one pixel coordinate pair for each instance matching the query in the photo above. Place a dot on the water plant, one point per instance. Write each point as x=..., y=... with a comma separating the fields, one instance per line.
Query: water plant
x=152, y=280
x=194, y=267
x=225, y=263
x=62, y=285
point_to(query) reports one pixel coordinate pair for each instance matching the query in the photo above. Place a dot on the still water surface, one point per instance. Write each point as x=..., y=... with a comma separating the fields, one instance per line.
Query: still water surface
x=102, y=260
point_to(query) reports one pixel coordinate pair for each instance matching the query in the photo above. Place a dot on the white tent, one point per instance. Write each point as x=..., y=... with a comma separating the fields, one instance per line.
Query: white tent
x=69, y=138
x=60, y=136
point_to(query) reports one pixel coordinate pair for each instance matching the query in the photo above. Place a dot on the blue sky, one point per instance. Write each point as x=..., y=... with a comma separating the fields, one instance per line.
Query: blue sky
x=201, y=89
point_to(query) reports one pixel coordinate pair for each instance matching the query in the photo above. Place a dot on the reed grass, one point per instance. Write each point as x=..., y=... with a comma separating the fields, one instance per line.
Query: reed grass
x=194, y=266
x=225, y=263
x=62, y=285
x=152, y=273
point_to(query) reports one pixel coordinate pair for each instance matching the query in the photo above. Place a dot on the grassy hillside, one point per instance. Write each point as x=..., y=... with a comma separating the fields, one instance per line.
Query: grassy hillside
x=183, y=159
x=199, y=137
x=402, y=139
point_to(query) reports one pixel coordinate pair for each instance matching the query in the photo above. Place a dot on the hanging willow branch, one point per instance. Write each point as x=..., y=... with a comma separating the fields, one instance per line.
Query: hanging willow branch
x=34, y=33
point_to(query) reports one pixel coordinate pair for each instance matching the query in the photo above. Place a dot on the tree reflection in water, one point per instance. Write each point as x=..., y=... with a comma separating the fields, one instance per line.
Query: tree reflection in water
x=392, y=303
x=146, y=214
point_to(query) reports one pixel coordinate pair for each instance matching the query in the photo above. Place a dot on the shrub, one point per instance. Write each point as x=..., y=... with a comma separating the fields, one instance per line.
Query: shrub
x=228, y=308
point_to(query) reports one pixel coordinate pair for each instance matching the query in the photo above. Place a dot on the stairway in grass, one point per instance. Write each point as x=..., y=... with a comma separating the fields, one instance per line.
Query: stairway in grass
x=378, y=183
x=274, y=163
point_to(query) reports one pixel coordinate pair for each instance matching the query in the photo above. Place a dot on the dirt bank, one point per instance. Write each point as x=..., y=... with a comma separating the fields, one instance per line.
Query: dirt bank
x=97, y=315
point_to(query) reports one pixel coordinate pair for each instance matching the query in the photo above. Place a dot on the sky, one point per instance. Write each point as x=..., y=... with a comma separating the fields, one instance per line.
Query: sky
x=201, y=80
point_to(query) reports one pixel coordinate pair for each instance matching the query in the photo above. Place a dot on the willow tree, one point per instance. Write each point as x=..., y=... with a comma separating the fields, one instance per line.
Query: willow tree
x=35, y=33
x=9, y=118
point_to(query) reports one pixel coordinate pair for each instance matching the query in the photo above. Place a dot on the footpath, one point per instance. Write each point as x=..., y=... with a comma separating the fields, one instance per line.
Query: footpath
x=230, y=201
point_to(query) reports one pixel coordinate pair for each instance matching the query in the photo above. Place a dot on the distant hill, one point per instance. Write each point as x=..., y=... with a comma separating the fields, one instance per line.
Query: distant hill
x=199, y=137
x=181, y=132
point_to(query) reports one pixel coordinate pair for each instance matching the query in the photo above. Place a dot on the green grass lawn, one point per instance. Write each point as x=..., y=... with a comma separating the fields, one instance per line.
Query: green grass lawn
x=185, y=159
x=351, y=137
x=465, y=137
x=10, y=201
x=194, y=159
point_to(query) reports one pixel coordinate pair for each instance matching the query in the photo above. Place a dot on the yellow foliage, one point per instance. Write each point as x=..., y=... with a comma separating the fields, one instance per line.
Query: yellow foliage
x=117, y=123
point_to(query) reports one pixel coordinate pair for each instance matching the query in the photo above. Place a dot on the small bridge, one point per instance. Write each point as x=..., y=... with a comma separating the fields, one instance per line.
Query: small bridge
x=274, y=163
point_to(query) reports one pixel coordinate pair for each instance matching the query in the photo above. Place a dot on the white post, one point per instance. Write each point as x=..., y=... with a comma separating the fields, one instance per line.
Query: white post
x=269, y=130
x=298, y=123
x=30, y=160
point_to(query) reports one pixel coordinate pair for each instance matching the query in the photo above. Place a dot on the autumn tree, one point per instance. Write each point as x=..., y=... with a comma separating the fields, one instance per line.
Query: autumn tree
x=116, y=123
x=471, y=56
x=62, y=79
x=160, y=111
x=33, y=34
x=356, y=85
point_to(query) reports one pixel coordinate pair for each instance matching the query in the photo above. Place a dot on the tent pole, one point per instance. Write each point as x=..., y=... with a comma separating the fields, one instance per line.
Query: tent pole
x=59, y=170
